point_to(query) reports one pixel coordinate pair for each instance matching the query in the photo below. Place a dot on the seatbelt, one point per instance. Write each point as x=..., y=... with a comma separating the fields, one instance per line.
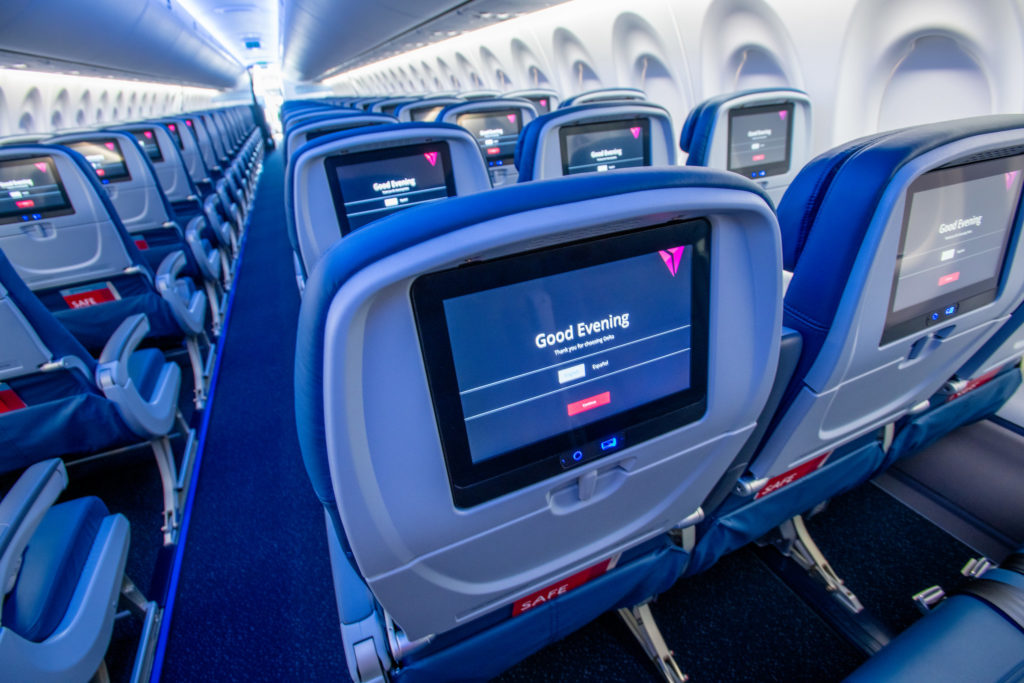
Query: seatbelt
x=1004, y=598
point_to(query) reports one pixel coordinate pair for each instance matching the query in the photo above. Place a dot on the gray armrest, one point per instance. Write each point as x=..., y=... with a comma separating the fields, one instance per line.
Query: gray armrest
x=147, y=418
x=223, y=228
x=21, y=511
x=191, y=312
x=205, y=255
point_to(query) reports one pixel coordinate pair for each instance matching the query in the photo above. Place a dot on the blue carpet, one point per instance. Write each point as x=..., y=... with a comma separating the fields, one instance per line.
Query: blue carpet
x=255, y=600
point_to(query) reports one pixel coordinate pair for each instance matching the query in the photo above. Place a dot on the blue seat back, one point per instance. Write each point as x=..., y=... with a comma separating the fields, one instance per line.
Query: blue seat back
x=487, y=120
x=138, y=198
x=370, y=434
x=428, y=106
x=868, y=356
x=604, y=95
x=315, y=215
x=188, y=145
x=539, y=153
x=304, y=129
x=162, y=150
x=771, y=135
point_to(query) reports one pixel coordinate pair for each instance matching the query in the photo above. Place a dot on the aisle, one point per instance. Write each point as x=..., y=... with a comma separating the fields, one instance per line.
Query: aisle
x=254, y=600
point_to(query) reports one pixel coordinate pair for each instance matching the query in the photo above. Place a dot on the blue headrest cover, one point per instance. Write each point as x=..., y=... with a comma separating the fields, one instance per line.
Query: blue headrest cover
x=529, y=137
x=419, y=224
x=86, y=170
x=696, y=136
x=825, y=214
x=55, y=336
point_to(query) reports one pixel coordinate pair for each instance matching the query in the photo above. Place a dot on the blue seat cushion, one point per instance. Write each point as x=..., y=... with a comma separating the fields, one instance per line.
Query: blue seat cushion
x=51, y=568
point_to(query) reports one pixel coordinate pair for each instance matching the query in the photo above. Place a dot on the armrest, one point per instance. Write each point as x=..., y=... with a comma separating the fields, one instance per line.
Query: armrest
x=205, y=255
x=189, y=311
x=21, y=511
x=150, y=417
x=211, y=207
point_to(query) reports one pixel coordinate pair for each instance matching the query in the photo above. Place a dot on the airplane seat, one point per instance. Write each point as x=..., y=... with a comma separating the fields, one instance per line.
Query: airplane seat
x=63, y=236
x=531, y=487
x=604, y=95
x=545, y=100
x=132, y=184
x=342, y=181
x=306, y=129
x=495, y=124
x=763, y=134
x=426, y=109
x=890, y=298
x=62, y=568
x=56, y=400
x=976, y=634
x=595, y=138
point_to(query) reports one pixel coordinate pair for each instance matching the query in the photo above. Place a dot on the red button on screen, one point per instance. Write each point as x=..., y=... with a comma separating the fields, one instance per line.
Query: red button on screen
x=577, y=407
x=946, y=279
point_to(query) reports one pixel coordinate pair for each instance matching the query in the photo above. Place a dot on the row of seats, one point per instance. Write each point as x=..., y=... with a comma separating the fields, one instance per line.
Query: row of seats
x=563, y=461
x=117, y=246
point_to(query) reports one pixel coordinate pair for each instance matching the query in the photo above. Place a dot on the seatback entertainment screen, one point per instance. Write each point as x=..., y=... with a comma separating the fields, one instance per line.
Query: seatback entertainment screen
x=147, y=140
x=542, y=104
x=370, y=185
x=759, y=140
x=30, y=189
x=425, y=113
x=605, y=146
x=541, y=362
x=496, y=132
x=957, y=224
x=105, y=157
x=176, y=134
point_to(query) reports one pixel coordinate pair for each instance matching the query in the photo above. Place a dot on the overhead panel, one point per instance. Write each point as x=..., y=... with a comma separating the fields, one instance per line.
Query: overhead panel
x=152, y=40
x=326, y=37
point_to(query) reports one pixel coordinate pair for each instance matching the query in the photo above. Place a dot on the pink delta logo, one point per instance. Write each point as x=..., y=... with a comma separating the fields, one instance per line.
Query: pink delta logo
x=511, y=118
x=41, y=165
x=543, y=103
x=148, y=134
x=431, y=157
x=1011, y=178
x=635, y=130
x=782, y=114
x=671, y=257
x=109, y=145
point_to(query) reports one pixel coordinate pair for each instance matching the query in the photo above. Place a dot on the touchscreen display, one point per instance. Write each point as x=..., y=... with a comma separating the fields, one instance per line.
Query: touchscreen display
x=370, y=185
x=496, y=132
x=105, y=157
x=957, y=224
x=605, y=146
x=541, y=362
x=147, y=140
x=759, y=140
x=176, y=134
x=425, y=113
x=542, y=104
x=31, y=189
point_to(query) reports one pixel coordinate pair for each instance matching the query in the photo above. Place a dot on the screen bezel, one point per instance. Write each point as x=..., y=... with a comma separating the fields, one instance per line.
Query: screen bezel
x=916, y=318
x=495, y=112
x=565, y=132
x=333, y=162
x=475, y=482
x=65, y=210
x=121, y=177
x=772, y=169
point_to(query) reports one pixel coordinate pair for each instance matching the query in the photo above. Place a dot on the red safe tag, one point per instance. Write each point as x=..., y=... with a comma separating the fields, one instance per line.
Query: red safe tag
x=9, y=401
x=787, y=478
x=567, y=584
x=89, y=295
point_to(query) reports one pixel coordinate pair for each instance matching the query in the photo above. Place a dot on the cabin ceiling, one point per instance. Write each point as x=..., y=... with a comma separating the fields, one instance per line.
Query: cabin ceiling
x=322, y=38
x=210, y=42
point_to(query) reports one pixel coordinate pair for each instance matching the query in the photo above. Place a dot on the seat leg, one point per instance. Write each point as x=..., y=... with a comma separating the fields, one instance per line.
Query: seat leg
x=165, y=463
x=643, y=627
x=101, y=675
x=214, y=292
x=805, y=552
x=195, y=358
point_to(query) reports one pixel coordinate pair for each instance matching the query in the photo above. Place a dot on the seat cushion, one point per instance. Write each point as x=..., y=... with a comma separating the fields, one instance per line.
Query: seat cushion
x=51, y=568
